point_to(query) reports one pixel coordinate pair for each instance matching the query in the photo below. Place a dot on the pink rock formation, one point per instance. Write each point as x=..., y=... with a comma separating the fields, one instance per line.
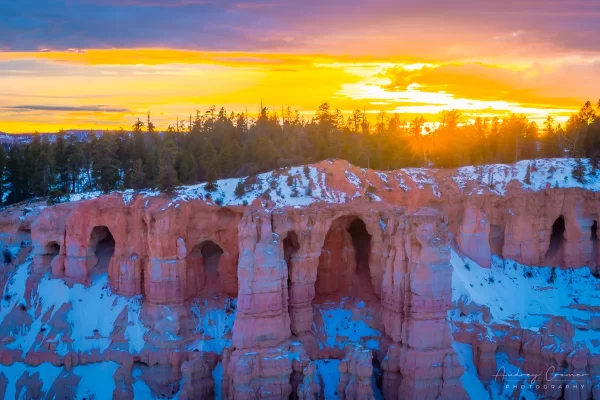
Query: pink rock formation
x=356, y=370
x=310, y=388
x=152, y=247
x=175, y=254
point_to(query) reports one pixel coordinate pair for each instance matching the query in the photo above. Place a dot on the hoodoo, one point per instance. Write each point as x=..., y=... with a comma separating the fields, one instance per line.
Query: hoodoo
x=411, y=284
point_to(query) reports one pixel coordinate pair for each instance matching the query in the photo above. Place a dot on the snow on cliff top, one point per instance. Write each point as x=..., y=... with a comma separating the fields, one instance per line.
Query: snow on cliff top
x=337, y=181
x=532, y=174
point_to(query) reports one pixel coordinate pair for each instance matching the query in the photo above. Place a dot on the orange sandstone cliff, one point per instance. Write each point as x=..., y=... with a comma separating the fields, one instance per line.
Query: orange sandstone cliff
x=324, y=281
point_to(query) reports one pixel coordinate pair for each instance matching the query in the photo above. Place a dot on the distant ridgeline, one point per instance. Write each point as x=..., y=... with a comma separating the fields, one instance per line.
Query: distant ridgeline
x=218, y=145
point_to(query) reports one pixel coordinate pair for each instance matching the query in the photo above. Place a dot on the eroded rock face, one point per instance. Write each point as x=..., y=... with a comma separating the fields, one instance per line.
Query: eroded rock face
x=175, y=266
x=152, y=245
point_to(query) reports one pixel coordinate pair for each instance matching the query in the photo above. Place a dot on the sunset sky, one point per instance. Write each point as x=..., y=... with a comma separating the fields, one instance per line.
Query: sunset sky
x=79, y=64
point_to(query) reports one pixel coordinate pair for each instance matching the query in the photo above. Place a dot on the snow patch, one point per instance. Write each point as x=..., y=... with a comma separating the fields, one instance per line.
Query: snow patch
x=329, y=377
x=90, y=311
x=339, y=321
x=214, y=320
x=529, y=295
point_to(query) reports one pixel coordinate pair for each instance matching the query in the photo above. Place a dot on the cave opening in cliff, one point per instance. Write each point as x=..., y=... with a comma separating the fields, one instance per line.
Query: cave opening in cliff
x=345, y=302
x=344, y=268
x=290, y=247
x=361, y=241
x=52, y=249
x=205, y=258
x=102, y=245
x=496, y=239
x=557, y=238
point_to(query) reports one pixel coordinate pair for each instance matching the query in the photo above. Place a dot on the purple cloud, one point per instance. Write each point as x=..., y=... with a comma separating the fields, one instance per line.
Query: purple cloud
x=297, y=25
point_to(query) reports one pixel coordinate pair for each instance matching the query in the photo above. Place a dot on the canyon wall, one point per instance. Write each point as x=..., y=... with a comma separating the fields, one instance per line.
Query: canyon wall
x=336, y=232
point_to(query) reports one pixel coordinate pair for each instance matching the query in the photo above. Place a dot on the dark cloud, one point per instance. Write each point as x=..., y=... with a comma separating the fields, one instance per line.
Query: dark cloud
x=99, y=108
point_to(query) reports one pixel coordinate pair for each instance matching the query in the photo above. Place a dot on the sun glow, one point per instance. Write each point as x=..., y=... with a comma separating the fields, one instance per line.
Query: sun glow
x=83, y=89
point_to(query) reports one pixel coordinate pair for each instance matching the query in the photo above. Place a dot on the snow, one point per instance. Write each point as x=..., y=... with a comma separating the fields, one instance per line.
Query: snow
x=344, y=319
x=275, y=183
x=217, y=376
x=214, y=320
x=353, y=179
x=48, y=373
x=96, y=379
x=14, y=289
x=504, y=388
x=141, y=390
x=383, y=178
x=469, y=379
x=422, y=178
x=499, y=389
x=554, y=172
x=135, y=329
x=90, y=311
x=529, y=296
x=85, y=195
x=329, y=376
x=310, y=188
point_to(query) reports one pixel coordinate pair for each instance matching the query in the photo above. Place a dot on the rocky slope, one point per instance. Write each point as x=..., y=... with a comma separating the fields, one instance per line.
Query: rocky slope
x=324, y=281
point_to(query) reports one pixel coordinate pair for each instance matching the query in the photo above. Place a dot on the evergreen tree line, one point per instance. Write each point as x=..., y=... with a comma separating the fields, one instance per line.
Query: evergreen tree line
x=216, y=144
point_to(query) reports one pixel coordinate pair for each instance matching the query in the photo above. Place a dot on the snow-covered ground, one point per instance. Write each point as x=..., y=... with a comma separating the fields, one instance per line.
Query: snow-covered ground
x=344, y=321
x=302, y=186
x=213, y=319
x=90, y=313
x=533, y=174
x=94, y=380
x=276, y=186
x=498, y=388
x=529, y=296
x=329, y=376
x=83, y=319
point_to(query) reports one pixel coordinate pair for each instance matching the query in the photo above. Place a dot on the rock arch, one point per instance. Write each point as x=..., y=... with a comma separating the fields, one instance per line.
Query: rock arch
x=101, y=249
x=345, y=301
x=555, y=253
x=203, y=266
x=291, y=245
x=346, y=254
x=52, y=249
x=50, y=259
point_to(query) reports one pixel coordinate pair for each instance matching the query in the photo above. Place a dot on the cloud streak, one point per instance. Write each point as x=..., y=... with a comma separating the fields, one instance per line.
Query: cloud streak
x=99, y=108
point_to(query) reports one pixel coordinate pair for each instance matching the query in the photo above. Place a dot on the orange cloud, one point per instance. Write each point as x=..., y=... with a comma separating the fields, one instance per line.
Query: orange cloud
x=172, y=83
x=533, y=85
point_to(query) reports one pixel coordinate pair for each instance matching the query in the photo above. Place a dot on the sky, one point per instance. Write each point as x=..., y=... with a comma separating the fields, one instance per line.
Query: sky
x=101, y=64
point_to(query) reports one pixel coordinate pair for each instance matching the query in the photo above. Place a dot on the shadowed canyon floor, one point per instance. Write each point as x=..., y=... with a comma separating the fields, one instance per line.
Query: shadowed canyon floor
x=324, y=281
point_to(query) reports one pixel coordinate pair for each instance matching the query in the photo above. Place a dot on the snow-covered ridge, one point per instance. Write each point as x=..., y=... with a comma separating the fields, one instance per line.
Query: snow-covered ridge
x=532, y=175
x=338, y=182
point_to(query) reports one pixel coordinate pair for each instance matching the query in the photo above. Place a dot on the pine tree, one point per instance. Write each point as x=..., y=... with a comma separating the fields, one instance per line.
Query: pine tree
x=16, y=175
x=152, y=167
x=211, y=179
x=105, y=169
x=75, y=162
x=240, y=190
x=167, y=175
x=188, y=169
x=138, y=176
